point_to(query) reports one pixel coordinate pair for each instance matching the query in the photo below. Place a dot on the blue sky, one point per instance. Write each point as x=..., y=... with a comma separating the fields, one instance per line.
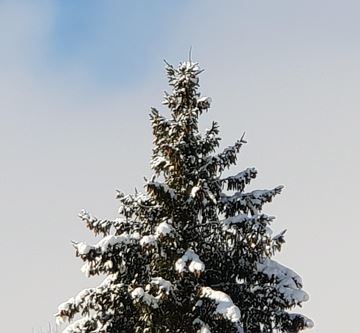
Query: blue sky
x=116, y=40
x=77, y=81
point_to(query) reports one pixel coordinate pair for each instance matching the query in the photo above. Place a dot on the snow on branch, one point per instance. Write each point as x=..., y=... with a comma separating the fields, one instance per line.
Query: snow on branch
x=190, y=261
x=86, y=299
x=159, y=123
x=239, y=181
x=247, y=202
x=134, y=207
x=204, y=328
x=294, y=322
x=164, y=286
x=163, y=230
x=308, y=323
x=139, y=295
x=203, y=103
x=93, y=255
x=85, y=324
x=203, y=192
x=158, y=163
x=240, y=219
x=185, y=81
x=160, y=191
x=287, y=282
x=96, y=225
x=157, y=285
x=224, y=159
x=186, y=73
x=210, y=140
x=148, y=241
x=105, y=244
x=224, y=304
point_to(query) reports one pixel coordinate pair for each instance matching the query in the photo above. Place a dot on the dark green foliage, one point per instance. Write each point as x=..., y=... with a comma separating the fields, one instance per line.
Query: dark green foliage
x=192, y=254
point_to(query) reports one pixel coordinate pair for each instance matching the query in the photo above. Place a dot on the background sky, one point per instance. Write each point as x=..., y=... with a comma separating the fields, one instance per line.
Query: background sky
x=77, y=79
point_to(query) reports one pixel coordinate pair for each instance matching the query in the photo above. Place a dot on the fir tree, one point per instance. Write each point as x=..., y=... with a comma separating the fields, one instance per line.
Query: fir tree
x=193, y=253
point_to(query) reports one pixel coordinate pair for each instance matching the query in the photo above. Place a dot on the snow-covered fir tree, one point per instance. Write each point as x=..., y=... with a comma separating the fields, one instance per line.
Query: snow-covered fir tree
x=193, y=252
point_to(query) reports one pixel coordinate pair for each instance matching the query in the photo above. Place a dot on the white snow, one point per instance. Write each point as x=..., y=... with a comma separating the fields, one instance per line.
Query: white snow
x=180, y=265
x=107, y=242
x=66, y=305
x=84, y=215
x=212, y=197
x=245, y=174
x=196, y=265
x=77, y=326
x=139, y=295
x=225, y=305
x=111, y=240
x=137, y=292
x=191, y=259
x=149, y=240
x=255, y=198
x=259, y=193
x=87, y=267
x=265, y=195
x=108, y=264
x=84, y=298
x=104, y=245
x=205, y=99
x=289, y=283
x=240, y=218
x=241, y=179
x=164, y=285
x=273, y=269
x=165, y=188
x=98, y=226
x=82, y=325
x=82, y=295
x=269, y=231
x=83, y=248
x=164, y=229
x=155, y=162
x=194, y=190
x=308, y=322
x=204, y=328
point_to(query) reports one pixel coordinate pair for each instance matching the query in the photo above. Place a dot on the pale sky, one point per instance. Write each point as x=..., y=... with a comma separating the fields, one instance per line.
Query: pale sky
x=77, y=79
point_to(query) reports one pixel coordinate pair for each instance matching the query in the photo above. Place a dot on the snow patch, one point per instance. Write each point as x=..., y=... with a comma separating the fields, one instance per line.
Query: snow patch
x=289, y=283
x=240, y=218
x=194, y=190
x=225, y=305
x=83, y=248
x=164, y=285
x=139, y=295
x=106, y=243
x=309, y=323
x=191, y=259
x=164, y=229
x=148, y=240
x=204, y=327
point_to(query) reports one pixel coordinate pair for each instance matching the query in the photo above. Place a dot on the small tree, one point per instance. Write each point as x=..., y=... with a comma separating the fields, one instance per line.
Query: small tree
x=192, y=254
